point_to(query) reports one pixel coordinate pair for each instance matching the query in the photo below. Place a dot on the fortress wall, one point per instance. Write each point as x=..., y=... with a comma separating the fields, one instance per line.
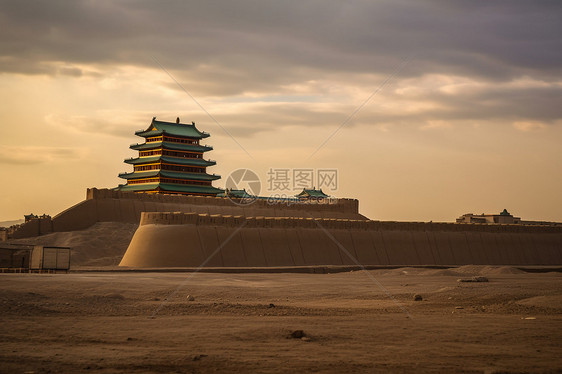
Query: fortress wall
x=28, y=229
x=128, y=212
x=253, y=249
x=474, y=242
x=344, y=237
x=490, y=246
x=542, y=243
x=317, y=248
x=364, y=247
x=187, y=239
x=275, y=246
x=295, y=246
x=233, y=250
x=443, y=247
x=520, y=248
x=433, y=248
x=184, y=246
x=78, y=217
x=526, y=247
x=105, y=210
x=105, y=205
x=380, y=247
x=513, y=248
x=327, y=206
x=209, y=243
x=459, y=247
x=422, y=247
x=550, y=244
x=502, y=246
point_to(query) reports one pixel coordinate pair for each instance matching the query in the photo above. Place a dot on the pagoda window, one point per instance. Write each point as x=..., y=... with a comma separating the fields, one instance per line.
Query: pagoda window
x=154, y=139
x=183, y=181
x=150, y=153
x=181, y=140
x=145, y=180
x=182, y=168
x=182, y=154
x=147, y=167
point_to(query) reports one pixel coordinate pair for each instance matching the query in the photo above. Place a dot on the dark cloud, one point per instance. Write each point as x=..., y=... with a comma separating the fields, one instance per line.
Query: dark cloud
x=271, y=42
x=226, y=49
x=479, y=105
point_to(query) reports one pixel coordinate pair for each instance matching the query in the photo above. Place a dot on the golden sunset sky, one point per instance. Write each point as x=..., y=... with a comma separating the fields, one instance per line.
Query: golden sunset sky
x=465, y=113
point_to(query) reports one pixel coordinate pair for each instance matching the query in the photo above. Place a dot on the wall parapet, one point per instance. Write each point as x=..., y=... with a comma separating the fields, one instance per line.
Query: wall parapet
x=180, y=218
x=343, y=205
x=33, y=227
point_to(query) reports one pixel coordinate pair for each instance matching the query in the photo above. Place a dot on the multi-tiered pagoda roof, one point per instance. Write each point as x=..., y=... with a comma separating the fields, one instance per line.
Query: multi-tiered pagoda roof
x=170, y=161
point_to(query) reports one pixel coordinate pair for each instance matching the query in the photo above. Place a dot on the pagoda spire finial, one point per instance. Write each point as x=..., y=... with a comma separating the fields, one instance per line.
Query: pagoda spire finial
x=178, y=120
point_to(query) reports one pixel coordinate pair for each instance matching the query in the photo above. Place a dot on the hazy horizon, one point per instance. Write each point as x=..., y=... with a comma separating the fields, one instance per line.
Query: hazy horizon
x=428, y=110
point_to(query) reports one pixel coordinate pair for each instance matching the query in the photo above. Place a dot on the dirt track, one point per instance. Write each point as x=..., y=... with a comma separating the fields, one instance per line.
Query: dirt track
x=100, y=322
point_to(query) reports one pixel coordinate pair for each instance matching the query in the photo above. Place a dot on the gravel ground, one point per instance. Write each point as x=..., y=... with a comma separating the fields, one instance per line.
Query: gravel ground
x=362, y=321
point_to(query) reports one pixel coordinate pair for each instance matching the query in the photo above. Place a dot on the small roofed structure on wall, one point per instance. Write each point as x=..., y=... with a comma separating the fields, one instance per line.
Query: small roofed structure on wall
x=29, y=217
x=236, y=194
x=503, y=218
x=171, y=161
x=312, y=194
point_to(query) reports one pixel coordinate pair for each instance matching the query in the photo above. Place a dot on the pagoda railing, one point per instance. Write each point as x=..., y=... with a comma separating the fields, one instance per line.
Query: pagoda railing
x=206, y=145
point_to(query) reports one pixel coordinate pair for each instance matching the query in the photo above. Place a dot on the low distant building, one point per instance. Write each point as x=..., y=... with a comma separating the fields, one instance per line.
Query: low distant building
x=24, y=257
x=14, y=256
x=49, y=258
x=503, y=218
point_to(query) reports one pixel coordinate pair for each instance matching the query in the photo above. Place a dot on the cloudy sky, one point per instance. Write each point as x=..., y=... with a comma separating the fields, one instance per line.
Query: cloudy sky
x=427, y=109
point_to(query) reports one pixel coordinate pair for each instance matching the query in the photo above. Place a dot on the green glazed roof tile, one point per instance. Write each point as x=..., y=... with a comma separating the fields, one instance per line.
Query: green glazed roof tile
x=172, y=128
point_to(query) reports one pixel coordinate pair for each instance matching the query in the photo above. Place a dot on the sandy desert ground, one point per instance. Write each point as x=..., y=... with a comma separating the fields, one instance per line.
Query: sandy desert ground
x=110, y=322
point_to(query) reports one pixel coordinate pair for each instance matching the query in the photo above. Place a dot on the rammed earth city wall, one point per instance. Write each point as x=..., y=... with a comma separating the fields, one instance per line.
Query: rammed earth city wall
x=190, y=240
x=104, y=205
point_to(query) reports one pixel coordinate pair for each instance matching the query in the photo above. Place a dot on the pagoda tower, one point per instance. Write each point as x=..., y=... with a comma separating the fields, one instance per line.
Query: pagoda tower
x=170, y=161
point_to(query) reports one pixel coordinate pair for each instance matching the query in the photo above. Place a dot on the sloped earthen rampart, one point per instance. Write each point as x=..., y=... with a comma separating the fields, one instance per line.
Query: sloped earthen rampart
x=191, y=240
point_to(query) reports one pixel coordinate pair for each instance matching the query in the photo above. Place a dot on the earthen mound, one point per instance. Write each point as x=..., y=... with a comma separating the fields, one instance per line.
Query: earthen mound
x=102, y=244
